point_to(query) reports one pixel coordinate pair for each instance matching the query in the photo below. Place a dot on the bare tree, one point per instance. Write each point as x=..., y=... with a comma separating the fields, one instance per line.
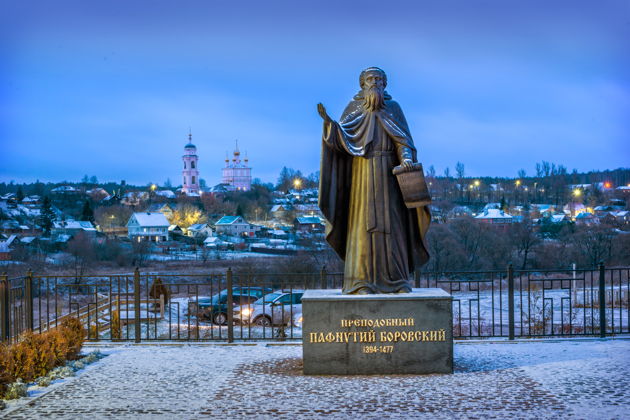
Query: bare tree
x=523, y=238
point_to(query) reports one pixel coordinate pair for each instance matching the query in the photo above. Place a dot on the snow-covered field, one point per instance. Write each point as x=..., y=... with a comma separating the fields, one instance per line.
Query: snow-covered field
x=527, y=379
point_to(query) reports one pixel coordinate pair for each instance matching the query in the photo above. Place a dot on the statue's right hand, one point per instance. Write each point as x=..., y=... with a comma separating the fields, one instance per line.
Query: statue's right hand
x=322, y=112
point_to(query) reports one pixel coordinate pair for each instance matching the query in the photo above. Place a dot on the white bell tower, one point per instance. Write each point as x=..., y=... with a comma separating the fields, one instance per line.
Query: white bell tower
x=190, y=173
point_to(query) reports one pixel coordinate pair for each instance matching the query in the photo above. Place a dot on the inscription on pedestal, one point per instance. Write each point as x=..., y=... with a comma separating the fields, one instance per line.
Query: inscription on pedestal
x=377, y=334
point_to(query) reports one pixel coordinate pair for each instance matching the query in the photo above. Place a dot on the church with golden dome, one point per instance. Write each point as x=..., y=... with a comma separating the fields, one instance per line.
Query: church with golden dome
x=237, y=175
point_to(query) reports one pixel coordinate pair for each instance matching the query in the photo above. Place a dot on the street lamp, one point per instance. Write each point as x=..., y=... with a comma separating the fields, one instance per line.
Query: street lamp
x=297, y=183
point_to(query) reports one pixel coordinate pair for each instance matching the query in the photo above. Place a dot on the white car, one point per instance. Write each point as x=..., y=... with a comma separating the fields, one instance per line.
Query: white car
x=277, y=308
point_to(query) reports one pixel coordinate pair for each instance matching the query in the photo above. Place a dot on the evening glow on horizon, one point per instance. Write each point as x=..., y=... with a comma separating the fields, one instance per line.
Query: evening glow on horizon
x=112, y=89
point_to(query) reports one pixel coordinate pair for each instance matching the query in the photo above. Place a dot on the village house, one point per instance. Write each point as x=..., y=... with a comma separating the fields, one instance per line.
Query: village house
x=31, y=201
x=279, y=211
x=134, y=198
x=459, y=211
x=163, y=208
x=146, y=226
x=308, y=224
x=199, y=230
x=495, y=217
x=213, y=242
x=72, y=227
x=586, y=219
x=166, y=194
x=5, y=248
x=235, y=226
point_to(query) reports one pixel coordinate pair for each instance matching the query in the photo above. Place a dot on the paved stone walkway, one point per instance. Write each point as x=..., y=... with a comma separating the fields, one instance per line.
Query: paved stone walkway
x=568, y=379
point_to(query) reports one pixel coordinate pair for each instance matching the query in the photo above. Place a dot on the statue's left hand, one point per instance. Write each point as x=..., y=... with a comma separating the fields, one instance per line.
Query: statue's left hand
x=407, y=165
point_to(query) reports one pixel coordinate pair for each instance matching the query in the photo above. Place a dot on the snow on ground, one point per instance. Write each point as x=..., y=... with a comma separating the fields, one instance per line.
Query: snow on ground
x=536, y=379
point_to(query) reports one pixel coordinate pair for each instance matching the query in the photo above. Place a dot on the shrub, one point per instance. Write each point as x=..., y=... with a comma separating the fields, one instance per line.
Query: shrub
x=115, y=325
x=43, y=381
x=74, y=333
x=16, y=390
x=34, y=355
x=61, y=372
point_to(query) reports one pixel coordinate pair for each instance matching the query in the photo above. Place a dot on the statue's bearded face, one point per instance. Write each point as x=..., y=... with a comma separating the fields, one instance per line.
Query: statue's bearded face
x=373, y=91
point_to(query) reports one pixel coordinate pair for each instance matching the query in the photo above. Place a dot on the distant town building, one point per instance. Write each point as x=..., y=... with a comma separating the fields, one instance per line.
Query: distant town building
x=237, y=175
x=147, y=226
x=190, y=173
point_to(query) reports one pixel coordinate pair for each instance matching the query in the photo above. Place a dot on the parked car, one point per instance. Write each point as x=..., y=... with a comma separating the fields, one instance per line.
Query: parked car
x=215, y=307
x=277, y=308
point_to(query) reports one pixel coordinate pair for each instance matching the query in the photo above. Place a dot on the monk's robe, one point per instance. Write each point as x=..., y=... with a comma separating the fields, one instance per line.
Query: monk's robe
x=380, y=240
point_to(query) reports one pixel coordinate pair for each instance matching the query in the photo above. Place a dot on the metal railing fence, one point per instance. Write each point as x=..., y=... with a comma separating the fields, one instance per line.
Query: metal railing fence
x=240, y=306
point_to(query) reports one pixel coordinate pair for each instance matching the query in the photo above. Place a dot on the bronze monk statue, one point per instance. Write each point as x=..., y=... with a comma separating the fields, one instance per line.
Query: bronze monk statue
x=381, y=241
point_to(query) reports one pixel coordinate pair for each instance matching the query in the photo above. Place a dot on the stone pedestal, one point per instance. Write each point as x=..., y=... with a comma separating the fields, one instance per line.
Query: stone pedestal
x=377, y=334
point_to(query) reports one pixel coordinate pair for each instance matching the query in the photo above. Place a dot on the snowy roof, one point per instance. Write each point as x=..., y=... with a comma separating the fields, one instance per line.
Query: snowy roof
x=277, y=207
x=542, y=206
x=27, y=239
x=492, y=206
x=622, y=213
x=212, y=240
x=307, y=207
x=584, y=215
x=166, y=193
x=75, y=224
x=198, y=226
x=493, y=214
x=62, y=238
x=64, y=188
x=557, y=218
x=230, y=220
x=4, y=245
x=308, y=220
x=150, y=219
x=156, y=207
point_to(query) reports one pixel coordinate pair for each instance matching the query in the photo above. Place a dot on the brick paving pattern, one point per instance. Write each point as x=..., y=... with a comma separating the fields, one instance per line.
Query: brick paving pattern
x=572, y=379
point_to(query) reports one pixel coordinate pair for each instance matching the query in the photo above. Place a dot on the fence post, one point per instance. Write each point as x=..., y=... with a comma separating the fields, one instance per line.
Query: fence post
x=511, y=302
x=5, y=296
x=602, y=300
x=136, y=304
x=322, y=278
x=230, y=303
x=28, y=299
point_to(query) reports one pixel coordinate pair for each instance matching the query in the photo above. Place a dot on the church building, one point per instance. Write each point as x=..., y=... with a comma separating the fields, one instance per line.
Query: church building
x=190, y=173
x=237, y=175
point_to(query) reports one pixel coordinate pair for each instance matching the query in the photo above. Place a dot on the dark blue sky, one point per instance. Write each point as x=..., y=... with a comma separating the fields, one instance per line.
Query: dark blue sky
x=111, y=88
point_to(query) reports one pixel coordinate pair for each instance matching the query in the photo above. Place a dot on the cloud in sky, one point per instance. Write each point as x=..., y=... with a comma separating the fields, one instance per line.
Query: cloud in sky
x=111, y=89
